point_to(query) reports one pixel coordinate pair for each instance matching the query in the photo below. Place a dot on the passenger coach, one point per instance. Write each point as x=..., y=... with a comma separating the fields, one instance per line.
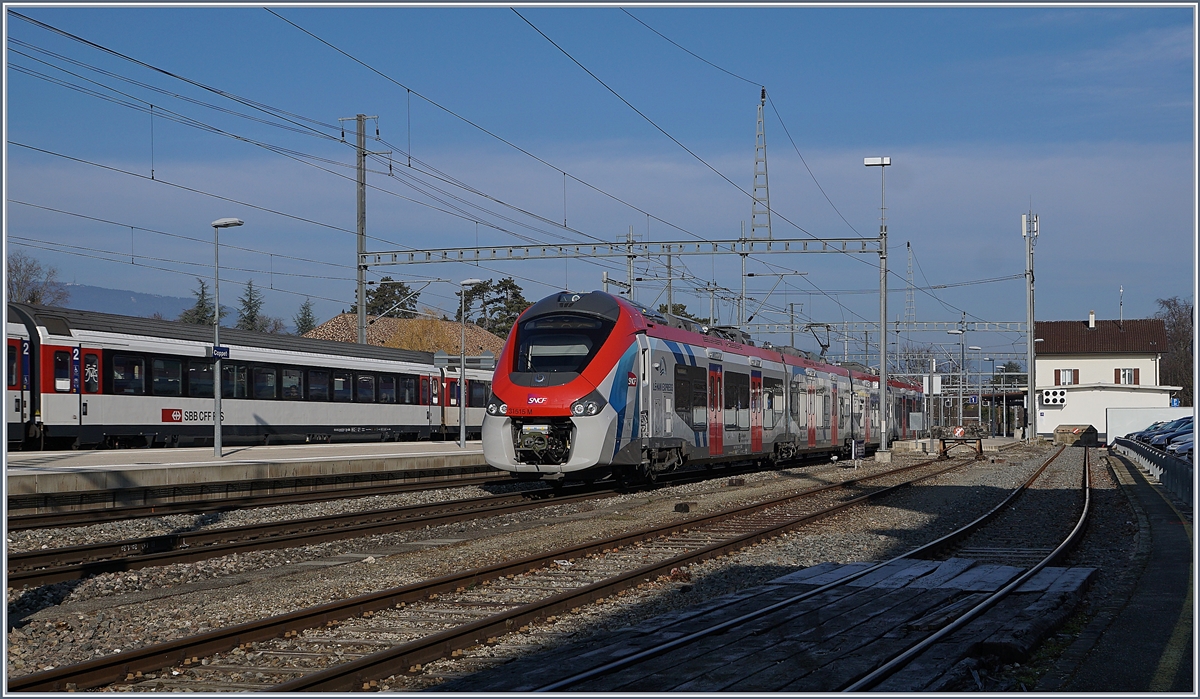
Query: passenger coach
x=83, y=379
x=590, y=385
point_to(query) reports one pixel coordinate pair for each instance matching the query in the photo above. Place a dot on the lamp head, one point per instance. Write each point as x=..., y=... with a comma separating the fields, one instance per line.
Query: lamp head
x=227, y=222
x=877, y=162
x=954, y=332
x=470, y=282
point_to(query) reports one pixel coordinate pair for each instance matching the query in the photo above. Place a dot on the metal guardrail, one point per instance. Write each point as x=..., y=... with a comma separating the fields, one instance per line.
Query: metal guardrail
x=1175, y=474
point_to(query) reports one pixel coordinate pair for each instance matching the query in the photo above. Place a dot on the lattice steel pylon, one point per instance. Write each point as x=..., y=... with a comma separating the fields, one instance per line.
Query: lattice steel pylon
x=910, y=305
x=760, y=210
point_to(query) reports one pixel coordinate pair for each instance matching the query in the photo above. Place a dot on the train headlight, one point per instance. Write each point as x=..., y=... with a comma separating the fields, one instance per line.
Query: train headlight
x=496, y=407
x=589, y=405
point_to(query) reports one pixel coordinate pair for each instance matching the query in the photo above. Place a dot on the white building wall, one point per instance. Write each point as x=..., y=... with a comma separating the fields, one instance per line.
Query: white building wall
x=1088, y=404
x=1096, y=368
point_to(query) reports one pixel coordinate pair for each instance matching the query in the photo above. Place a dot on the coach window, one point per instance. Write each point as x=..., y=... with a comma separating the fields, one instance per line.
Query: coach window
x=364, y=389
x=264, y=383
x=408, y=389
x=318, y=385
x=91, y=373
x=12, y=366
x=478, y=393
x=167, y=377
x=343, y=386
x=292, y=384
x=691, y=396
x=128, y=375
x=200, y=379
x=233, y=381
x=387, y=389
x=62, y=371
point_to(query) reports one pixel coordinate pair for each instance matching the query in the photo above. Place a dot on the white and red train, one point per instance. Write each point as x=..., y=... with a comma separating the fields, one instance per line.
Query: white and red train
x=84, y=379
x=590, y=385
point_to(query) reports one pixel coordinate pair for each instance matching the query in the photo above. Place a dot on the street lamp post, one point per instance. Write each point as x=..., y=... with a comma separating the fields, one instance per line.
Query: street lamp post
x=882, y=163
x=1004, y=392
x=992, y=397
x=462, y=362
x=978, y=397
x=217, y=226
x=962, y=354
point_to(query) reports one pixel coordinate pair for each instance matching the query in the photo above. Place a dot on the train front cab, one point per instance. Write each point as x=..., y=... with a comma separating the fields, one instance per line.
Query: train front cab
x=571, y=390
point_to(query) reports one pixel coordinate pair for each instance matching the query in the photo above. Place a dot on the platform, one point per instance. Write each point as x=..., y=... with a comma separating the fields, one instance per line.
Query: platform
x=30, y=473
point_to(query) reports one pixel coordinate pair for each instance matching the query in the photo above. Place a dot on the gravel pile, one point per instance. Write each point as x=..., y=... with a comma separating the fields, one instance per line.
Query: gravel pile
x=72, y=622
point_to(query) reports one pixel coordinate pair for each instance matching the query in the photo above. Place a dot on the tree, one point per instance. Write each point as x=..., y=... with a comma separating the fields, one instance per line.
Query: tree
x=389, y=295
x=305, y=320
x=250, y=308
x=201, y=313
x=251, y=317
x=1010, y=377
x=680, y=311
x=1176, y=367
x=499, y=305
x=30, y=282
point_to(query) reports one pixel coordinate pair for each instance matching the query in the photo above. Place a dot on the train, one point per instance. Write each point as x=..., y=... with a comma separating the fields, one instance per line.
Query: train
x=591, y=386
x=81, y=379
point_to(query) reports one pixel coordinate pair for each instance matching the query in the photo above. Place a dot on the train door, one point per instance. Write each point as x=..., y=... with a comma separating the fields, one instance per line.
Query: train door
x=833, y=418
x=811, y=390
x=16, y=410
x=662, y=393
x=716, y=411
x=756, y=411
x=644, y=381
x=91, y=405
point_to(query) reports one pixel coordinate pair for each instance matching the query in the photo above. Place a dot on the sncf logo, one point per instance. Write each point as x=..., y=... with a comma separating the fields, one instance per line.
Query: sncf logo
x=633, y=379
x=172, y=415
x=536, y=400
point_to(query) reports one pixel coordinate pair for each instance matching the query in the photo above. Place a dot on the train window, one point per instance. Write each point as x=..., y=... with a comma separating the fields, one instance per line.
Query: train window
x=773, y=407
x=452, y=391
x=425, y=391
x=364, y=389
x=200, y=379
x=91, y=373
x=167, y=377
x=737, y=401
x=233, y=381
x=12, y=366
x=387, y=389
x=691, y=395
x=408, y=389
x=291, y=384
x=478, y=393
x=343, y=386
x=264, y=383
x=435, y=390
x=128, y=375
x=62, y=372
x=560, y=343
x=318, y=385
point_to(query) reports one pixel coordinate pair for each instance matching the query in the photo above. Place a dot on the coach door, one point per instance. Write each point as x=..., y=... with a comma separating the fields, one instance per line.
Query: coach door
x=756, y=411
x=716, y=413
x=811, y=390
x=836, y=412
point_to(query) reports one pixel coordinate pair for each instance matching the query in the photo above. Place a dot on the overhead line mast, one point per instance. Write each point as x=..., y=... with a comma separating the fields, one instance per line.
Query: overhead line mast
x=760, y=208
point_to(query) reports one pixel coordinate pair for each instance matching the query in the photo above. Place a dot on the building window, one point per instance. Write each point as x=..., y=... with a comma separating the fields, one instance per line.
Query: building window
x=1066, y=377
x=1129, y=377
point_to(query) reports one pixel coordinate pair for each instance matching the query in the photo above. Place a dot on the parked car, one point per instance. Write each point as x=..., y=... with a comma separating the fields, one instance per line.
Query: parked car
x=1146, y=435
x=1165, y=437
x=1155, y=426
x=1182, y=443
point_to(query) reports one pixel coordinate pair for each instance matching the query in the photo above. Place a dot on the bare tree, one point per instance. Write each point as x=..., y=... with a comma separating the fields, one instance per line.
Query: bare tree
x=30, y=282
x=1176, y=314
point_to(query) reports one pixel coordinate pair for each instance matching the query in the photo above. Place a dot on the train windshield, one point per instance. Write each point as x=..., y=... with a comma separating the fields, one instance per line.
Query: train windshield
x=560, y=343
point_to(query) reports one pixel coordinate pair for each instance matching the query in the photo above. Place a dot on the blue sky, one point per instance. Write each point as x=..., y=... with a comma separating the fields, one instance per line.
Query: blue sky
x=1084, y=113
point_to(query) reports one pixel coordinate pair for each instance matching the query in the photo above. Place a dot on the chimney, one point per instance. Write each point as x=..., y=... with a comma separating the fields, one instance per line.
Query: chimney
x=1091, y=320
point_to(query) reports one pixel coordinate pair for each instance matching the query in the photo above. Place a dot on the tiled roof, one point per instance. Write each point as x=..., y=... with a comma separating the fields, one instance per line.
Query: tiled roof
x=1147, y=336
x=419, y=334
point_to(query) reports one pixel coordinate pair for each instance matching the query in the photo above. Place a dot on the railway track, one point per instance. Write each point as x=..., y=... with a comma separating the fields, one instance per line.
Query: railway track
x=105, y=506
x=348, y=644
x=609, y=677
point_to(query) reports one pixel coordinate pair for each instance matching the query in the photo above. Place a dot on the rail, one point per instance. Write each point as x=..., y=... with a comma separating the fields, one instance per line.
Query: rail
x=1175, y=474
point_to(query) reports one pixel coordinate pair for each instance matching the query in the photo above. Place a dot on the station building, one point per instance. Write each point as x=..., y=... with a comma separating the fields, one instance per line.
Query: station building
x=1083, y=368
